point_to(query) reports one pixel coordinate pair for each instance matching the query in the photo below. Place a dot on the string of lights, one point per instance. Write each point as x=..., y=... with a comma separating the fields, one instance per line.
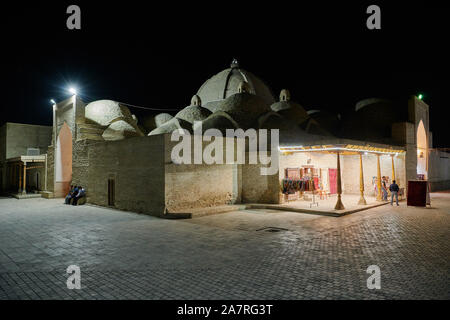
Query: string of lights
x=74, y=92
x=146, y=108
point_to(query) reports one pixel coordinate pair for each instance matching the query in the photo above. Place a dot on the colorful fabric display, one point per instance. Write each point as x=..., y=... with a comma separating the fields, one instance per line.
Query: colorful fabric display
x=290, y=186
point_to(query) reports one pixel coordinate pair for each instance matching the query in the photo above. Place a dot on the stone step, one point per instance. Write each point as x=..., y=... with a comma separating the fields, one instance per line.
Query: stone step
x=47, y=194
x=26, y=195
x=200, y=212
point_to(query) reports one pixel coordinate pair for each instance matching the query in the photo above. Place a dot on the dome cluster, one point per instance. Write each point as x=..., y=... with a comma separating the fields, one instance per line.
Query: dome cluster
x=235, y=98
x=116, y=119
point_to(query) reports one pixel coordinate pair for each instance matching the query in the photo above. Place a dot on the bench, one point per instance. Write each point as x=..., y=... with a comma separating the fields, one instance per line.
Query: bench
x=80, y=202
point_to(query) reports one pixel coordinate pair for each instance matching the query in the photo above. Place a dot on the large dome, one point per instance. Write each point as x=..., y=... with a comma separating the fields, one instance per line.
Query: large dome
x=226, y=83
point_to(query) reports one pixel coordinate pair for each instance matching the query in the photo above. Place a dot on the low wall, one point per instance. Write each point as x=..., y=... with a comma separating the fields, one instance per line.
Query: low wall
x=203, y=185
x=190, y=186
x=195, y=186
x=257, y=188
x=439, y=170
x=137, y=167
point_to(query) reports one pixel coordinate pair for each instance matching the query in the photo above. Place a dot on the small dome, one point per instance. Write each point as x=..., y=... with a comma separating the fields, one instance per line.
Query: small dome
x=289, y=130
x=327, y=121
x=193, y=113
x=162, y=118
x=218, y=120
x=294, y=113
x=170, y=126
x=119, y=130
x=312, y=111
x=372, y=119
x=244, y=108
x=289, y=109
x=226, y=83
x=103, y=112
x=371, y=101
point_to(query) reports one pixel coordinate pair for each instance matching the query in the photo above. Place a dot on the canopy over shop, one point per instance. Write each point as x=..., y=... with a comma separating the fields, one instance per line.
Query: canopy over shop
x=318, y=169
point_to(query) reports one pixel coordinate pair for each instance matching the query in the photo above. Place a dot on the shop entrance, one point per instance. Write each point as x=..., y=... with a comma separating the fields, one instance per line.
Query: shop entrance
x=319, y=176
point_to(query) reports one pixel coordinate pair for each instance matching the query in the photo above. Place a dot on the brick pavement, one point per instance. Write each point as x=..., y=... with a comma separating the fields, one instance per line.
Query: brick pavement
x=124, y=255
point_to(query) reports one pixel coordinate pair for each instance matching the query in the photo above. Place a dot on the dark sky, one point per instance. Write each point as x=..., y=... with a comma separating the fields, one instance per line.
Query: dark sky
x=158, y=56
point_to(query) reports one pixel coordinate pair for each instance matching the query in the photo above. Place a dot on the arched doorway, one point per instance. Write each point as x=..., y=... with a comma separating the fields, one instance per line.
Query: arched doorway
x=422, y=150
x=63, y=161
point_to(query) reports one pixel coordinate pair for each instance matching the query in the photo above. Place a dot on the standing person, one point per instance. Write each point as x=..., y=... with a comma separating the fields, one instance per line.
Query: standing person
x=81, y=193
x=394, y=191
x=384, y=189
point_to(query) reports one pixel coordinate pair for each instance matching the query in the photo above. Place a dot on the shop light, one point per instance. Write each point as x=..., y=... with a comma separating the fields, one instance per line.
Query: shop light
x=297, y=149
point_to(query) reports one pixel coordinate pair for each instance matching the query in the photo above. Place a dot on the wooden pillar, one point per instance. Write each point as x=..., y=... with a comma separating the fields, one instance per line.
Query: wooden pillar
x=362, y=200
x=393, y=169
x=339, y=205
x=24, y=187
x=380, y=193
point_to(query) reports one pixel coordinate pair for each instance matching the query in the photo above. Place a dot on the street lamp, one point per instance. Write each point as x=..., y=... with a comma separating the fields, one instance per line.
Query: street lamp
x=52, y=101
x=73, y=91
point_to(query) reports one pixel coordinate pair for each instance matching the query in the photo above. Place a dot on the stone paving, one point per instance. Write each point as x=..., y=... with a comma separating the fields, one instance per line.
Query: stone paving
x=124, y=255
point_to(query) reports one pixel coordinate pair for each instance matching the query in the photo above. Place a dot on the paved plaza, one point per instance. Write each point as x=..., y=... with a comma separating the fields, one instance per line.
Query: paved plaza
x=249, y=254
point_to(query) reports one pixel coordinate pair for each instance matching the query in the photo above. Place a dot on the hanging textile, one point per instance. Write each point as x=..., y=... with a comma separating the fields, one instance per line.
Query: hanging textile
x=316, y=183
x=290, y=186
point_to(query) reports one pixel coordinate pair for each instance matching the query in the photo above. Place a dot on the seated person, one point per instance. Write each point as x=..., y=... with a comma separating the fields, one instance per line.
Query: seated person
x=70, y=195
x=81, y=193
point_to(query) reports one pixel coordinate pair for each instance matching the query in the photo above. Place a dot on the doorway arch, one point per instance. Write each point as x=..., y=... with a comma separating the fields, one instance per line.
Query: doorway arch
x=422, y=150
x=63, y=161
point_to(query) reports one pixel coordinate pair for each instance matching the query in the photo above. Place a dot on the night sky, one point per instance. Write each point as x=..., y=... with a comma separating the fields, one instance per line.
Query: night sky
x=158, y=56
